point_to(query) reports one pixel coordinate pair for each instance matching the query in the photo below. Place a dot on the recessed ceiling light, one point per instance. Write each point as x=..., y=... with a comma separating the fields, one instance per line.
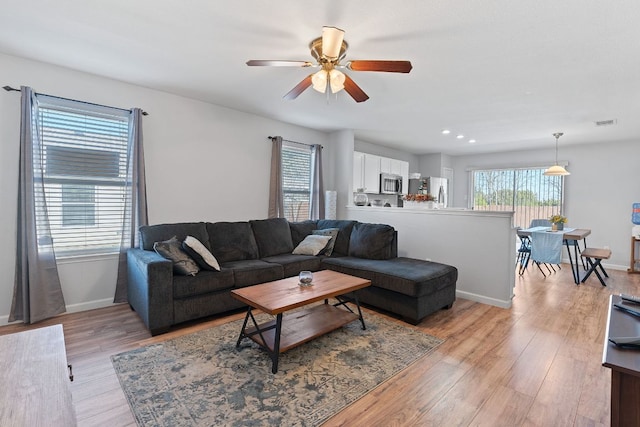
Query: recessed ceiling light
x=460, y=136
x=446, y=131
x=472, y=141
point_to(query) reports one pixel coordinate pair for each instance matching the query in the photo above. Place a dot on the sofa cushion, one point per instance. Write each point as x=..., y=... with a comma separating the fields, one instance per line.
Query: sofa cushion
x=412, y=277
x=232, y=241
x=200, y=254
x=300, y=230
x=341, y=247
x=202, y=283
x=172, y=250
x=371, y=241
x=149, y=234
x=333, y=233
x=294, y=264
x=254, y=271
x=312, y=245
x=272, y=235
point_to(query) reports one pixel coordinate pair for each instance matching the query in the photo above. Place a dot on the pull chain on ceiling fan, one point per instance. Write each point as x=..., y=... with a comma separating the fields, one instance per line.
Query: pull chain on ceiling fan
x=328, y=51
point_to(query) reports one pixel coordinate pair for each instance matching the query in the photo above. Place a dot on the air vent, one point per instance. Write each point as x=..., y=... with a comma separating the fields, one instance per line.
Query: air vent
x=606, y=122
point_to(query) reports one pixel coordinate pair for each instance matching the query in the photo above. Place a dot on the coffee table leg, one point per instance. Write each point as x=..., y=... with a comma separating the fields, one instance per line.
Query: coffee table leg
x=276, y=344
x=355, y=297
x=244, y=325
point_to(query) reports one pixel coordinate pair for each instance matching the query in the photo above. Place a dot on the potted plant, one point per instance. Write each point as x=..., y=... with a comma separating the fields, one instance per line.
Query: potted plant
x=415, y=200
x=557, y=221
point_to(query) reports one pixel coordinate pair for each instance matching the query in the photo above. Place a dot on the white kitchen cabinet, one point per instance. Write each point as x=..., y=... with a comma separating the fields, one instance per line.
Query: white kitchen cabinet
x=371, y=182
x=386, y=165
x=358, y=170
x=366, y=172
x=404, y=172
x=368, y=167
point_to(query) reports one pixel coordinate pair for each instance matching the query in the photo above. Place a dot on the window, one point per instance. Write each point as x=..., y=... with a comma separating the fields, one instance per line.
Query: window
x=81, y=160
x=296, y=181
x=527, y=192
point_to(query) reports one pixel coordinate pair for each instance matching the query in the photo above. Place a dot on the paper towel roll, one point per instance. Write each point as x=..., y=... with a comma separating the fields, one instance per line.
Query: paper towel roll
x=330, y=204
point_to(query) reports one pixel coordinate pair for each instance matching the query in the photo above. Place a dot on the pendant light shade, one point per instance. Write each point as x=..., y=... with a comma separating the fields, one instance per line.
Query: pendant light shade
x=556, y=170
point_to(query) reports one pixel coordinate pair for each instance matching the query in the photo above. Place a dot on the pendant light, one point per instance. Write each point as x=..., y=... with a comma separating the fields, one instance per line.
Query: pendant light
x=556, y=170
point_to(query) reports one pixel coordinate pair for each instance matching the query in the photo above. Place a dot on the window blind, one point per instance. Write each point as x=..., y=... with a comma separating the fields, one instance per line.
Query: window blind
x=81, y=161
x=296, y=181
x=526, y=191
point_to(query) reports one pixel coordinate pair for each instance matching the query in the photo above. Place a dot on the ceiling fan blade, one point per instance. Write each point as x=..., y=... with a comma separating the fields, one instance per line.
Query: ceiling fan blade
x=354, y=90
x=386, y=66
x=300, y=87
x=277, y=63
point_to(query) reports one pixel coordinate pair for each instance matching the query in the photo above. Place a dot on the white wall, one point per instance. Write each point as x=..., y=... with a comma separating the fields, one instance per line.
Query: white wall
x=459, y=238
x=203, y=163
x=392, y=153
x=598, y=194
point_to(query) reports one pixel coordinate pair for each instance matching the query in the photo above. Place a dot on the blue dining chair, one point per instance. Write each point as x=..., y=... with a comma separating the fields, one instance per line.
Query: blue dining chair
x=544, y=223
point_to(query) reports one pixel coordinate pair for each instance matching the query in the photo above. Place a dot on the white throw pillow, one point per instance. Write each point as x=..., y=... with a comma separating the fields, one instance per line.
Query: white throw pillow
x=200, y=254
x=312, y=245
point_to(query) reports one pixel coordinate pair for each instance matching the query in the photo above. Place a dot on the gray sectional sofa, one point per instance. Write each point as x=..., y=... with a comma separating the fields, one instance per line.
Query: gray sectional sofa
x=252, y=252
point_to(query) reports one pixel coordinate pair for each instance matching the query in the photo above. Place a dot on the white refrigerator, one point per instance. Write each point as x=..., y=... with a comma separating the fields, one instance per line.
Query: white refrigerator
x=439, y=188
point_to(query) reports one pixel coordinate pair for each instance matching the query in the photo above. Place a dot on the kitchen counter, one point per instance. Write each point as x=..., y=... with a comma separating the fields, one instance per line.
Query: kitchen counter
x=481, y=244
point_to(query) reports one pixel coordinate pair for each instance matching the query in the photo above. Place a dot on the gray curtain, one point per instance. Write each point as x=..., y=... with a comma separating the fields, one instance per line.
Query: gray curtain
x=135, y=211
x=316, y=208
x=276, y=199
x=37, y=294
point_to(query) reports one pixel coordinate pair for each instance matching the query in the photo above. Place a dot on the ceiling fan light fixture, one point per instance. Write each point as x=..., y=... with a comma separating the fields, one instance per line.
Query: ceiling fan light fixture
x=336, y=80
x=319, y=81
x=331, y=42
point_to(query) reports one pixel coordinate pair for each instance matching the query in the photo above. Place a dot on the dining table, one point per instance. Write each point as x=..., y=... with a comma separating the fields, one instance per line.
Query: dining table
x=568, y=234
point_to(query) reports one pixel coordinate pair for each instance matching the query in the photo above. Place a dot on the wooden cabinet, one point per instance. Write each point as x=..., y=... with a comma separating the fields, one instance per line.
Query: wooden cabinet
x=33, y=372
x=625, y=367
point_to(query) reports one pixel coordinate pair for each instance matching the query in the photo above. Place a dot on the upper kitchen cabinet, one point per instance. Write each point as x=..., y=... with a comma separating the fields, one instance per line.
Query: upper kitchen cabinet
x=366, y=172
x=368, y=167
x=396, y=167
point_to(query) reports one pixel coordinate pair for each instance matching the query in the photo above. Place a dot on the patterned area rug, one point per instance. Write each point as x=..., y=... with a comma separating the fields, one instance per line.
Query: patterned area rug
x=201, y=379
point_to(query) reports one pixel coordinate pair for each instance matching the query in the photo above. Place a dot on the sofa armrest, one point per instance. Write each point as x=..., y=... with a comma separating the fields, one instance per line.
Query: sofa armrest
x=150, y=288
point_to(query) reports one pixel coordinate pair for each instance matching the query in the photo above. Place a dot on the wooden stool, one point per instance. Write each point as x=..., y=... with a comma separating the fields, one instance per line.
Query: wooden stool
x=594, y=256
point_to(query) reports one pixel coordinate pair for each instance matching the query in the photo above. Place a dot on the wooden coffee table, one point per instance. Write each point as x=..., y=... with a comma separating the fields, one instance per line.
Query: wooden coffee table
x=278, y=297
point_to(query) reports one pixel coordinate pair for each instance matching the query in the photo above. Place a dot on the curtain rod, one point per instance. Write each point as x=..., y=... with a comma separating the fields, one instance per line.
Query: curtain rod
x=11, y=89
x=294, y=142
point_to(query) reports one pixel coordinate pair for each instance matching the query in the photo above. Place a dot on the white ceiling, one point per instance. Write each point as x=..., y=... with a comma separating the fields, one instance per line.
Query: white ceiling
x=506, y=73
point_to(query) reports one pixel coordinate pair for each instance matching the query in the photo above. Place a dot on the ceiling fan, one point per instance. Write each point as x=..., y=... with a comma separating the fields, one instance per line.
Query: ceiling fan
x=328, y=51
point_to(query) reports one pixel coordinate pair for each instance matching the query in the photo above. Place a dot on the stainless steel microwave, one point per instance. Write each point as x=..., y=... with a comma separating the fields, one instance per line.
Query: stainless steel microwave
x=390, y=183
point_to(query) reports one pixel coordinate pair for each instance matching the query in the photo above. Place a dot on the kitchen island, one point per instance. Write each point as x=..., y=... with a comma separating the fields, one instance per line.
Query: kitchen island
x=481, y=244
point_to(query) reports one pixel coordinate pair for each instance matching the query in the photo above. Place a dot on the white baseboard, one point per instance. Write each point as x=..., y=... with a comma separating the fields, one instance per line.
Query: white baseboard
x=484, y=300
x=73, y=308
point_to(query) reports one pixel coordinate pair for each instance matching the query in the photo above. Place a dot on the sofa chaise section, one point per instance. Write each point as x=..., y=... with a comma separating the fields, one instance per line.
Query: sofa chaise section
x=410, y=288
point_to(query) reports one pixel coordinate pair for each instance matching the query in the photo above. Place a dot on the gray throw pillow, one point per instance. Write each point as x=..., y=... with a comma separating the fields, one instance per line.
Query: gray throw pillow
x=312, y=245
x=371, y=241
x=200, y=254
x=333, y=232
x=172, y=250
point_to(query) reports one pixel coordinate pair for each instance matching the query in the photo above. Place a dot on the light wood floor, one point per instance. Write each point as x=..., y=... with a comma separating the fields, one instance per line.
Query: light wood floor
x=536, y=364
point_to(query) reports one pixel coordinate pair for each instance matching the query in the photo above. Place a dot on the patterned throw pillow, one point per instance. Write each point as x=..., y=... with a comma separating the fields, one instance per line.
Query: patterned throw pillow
x=200, y=254
x=172, y=250
x=312, y=245
x=333, y=232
